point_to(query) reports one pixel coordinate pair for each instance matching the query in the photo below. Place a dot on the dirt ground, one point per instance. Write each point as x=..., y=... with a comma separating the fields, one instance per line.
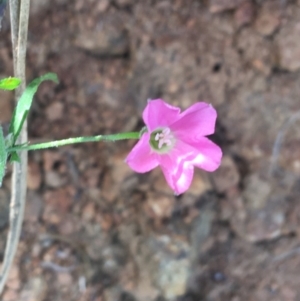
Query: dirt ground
x=96, y=231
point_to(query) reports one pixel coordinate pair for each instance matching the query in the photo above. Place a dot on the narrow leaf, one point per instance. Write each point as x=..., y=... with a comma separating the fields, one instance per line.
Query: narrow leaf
x=9, y=83
x=23, y=106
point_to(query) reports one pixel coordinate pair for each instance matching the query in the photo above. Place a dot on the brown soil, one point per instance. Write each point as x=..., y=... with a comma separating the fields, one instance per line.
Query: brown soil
x=95, y=230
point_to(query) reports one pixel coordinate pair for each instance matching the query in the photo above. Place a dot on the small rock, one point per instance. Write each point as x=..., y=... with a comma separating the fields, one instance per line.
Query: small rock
x=244, y=14
x=69, y=225
x=289, y=46
x=54, y=180
x=55, y=111
x=64, y=279
x=107, y=41
x=200, y=183
x=159, y=206
x=103, y=5
x=57, y=204
x=217, y=6
x=60, y=199
x=34, y=177
x=256, y=191
x=35, y=289
x=172, y=255
x=268, y=20
x=89, y=211
x=172, y=277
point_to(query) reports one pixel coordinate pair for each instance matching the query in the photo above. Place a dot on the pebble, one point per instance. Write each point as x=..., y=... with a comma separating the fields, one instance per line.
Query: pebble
x=55, y=111
x=107, y=42
x=54, y=180
x=244, y=14
x=34, y=290
x=268, y=20
x=288, y=43
x=218, y=6
x=159, y=206
x=200, y=183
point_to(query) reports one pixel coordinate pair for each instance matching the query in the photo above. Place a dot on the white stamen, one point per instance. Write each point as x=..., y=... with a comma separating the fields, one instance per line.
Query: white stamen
x=165, y=137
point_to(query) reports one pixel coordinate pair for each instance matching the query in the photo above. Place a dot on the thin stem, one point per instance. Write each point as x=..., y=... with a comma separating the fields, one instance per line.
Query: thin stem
x=19, y=20
x=58, y=143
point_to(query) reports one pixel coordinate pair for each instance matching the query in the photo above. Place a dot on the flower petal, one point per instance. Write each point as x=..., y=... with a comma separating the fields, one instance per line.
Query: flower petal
x=209, y=154
x=159, y=114
x=181, y=181
x=177, y=166
x=195, y=122
x=141, y=158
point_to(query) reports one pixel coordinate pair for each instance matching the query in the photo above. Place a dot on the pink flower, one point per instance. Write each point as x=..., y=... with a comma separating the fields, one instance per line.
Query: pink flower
x=176, y=141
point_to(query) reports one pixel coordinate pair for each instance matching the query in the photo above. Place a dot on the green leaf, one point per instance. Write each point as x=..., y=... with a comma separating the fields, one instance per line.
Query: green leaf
x=23, y=106
x=9, y=83
x=3, y=156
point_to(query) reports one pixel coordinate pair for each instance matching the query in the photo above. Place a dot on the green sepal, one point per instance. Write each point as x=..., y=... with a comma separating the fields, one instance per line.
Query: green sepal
x=14, y=157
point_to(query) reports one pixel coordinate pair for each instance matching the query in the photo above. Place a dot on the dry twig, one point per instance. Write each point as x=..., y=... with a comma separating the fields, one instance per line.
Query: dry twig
x=19, y=12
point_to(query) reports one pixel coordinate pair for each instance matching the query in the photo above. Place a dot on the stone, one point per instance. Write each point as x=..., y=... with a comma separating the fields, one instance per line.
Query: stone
x=89, y=211
x=244, y=14
x=218, y=6
x=200, y=183
x=159, y=206
x=103, y=5
x=35, y=289
x=256, y=191
x=106, y=41
x=288, y=43
x=55, y=111
x=54, y=180
x=64, y=279
x=172, y=255
x=268, y=20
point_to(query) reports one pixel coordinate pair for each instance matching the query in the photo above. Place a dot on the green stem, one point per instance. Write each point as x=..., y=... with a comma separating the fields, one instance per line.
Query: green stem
x=58, y=143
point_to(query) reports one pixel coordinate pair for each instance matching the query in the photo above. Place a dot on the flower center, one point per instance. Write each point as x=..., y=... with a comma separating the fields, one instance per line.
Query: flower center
x=162, y=140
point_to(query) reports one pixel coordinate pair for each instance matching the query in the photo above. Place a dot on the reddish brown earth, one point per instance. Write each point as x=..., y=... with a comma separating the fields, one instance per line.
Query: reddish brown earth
x=95, y=230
